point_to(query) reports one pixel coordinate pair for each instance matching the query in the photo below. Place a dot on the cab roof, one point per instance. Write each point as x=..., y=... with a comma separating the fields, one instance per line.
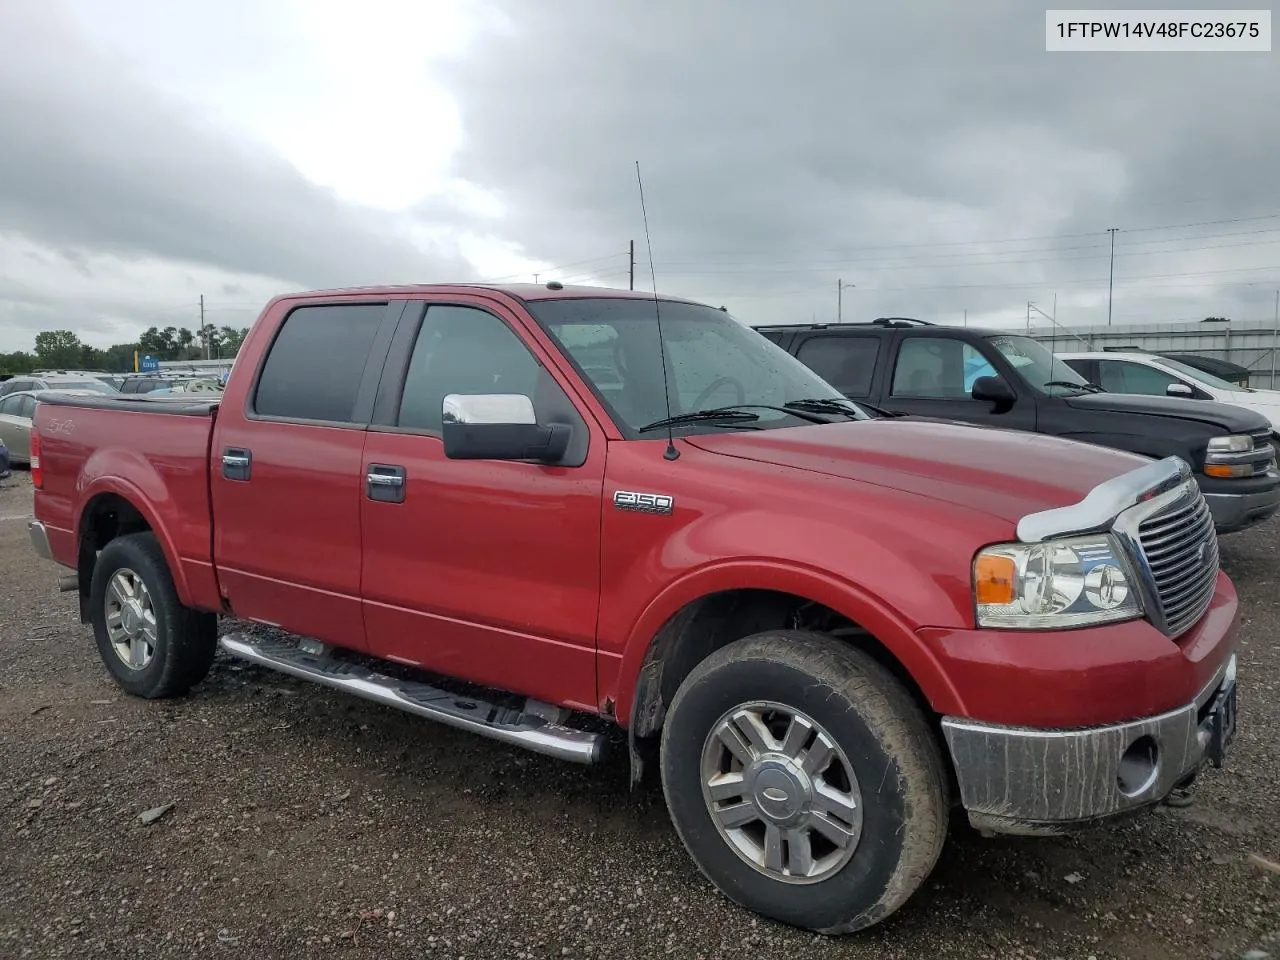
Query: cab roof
x=551, y=290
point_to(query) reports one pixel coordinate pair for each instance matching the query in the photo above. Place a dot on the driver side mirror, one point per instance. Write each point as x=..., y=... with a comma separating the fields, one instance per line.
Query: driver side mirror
x=1179, y=390
x=994, y=390
x=499, y=426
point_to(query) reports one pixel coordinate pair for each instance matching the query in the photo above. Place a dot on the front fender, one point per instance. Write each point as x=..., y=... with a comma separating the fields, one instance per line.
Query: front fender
x=887, y=625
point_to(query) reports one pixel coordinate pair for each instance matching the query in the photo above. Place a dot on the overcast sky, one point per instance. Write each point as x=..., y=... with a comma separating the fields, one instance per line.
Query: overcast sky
x=932, y=154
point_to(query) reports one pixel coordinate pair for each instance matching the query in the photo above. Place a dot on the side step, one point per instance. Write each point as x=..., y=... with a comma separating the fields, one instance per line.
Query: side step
x=523, y=729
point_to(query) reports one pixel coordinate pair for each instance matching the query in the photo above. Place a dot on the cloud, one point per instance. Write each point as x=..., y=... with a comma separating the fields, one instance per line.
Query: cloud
x=784, y=149
x=95, y=161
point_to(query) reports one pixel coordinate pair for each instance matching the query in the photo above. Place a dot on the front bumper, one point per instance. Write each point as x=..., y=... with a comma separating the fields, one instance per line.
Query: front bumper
x=1018, y=780
x=1236, y=511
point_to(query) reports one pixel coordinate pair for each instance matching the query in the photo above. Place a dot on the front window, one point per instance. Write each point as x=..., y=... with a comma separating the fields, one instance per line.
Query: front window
x=1041, y=370
x=712, y=361
x=1196, y=375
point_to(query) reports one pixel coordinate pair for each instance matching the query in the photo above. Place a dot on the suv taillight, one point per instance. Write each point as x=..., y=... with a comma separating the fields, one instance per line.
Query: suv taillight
x=37, y=474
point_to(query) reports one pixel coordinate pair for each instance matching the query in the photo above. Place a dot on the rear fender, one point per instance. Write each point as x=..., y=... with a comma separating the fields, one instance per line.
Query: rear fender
x=140, y=496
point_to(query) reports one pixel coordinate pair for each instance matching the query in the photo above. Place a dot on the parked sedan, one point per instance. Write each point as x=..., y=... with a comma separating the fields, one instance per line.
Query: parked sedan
x=16, y=411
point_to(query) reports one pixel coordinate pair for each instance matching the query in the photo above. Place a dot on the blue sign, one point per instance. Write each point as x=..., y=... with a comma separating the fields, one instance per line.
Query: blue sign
x=148, y=363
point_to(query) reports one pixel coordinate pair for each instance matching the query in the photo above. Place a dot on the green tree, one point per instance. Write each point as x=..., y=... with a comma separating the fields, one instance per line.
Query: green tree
x=17, y=362
x=232, y=339
x=58, y=348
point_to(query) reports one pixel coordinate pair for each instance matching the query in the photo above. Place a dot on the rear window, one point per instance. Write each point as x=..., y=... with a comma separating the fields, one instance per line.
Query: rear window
x=314, y=367
x=847, y=363
x=95, y=385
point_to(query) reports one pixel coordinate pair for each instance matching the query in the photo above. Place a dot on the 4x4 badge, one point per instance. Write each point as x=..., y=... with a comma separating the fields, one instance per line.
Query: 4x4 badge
x=643, y=502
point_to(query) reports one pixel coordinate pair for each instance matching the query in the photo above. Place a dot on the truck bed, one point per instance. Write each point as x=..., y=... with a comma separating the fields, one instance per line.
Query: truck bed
x=137, y=402
x=96, y=449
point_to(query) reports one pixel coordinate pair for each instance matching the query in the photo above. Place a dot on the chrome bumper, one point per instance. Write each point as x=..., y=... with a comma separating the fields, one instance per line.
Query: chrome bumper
x=39, y=539
x=1027, y=781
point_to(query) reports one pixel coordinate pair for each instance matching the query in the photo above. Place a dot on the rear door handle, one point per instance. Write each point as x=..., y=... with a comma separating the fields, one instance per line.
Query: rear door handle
x=385, y=482
x=237, y=463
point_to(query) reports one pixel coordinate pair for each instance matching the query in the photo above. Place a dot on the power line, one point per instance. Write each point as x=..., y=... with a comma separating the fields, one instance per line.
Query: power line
x=1040, y=284
x=958, y=259
x=1025, y=239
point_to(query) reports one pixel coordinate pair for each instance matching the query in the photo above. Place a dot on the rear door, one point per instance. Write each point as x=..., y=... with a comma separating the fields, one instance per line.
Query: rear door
x=287, y=475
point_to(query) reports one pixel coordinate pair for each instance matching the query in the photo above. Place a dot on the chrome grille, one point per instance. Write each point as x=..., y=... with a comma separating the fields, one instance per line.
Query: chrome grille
x=1263, y=451
x=1181, y=550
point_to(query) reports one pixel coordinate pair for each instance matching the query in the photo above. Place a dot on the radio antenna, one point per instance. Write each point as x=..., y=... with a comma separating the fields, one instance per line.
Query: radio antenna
x=671, y=452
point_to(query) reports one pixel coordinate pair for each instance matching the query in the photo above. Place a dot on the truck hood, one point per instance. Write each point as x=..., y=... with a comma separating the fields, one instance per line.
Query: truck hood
x=1003, y=473
x=1231, y=419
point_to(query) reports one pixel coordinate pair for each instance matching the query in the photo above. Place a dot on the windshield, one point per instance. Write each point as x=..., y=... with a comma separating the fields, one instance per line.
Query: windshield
x=1037, y=365
x=95, y=385
x=1191, y=373
x=712, y=361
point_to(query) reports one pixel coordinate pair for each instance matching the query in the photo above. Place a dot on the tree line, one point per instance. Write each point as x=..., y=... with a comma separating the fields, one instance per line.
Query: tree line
x=63, y=349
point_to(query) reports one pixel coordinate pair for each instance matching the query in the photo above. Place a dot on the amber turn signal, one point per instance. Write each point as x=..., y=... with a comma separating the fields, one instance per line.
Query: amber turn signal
x=993, y=579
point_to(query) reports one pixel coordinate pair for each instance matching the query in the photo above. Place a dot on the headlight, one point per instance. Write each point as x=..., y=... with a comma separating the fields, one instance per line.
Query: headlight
x=1237, y=443
x=1073, y=582
x=1235, y=456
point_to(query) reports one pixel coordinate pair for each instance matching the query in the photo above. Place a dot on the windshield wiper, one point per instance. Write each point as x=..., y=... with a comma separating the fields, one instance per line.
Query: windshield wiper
x=822, y=405
x=1087, y=387
x=721, y=414
x=850, y=408
x=736, y=413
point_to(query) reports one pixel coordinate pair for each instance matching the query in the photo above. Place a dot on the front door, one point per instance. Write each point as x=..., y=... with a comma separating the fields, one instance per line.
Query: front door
x=933, y=376
x=484, y=570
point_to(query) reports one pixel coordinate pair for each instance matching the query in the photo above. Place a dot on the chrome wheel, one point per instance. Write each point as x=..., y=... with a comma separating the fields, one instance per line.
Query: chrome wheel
x=781, y=793
x=131, y=619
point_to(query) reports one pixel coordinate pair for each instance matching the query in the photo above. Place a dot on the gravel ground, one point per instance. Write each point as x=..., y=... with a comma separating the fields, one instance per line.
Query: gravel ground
x=309, y=823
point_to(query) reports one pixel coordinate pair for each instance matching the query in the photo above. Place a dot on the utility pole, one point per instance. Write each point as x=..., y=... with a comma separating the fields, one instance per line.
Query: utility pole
x=204, y=333
x=840, y=285
x=1028, y=317
x=633, y=264
x=966, y=318
x=1112, y=275
x=1275, y=330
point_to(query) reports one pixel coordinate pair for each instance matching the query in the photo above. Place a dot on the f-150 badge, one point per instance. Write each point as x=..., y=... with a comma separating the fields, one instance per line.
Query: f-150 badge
x=643, y=502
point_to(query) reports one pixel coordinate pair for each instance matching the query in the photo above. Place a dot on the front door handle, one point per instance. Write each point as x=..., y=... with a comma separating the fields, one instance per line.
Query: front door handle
x=385, y=482
x=237, y=463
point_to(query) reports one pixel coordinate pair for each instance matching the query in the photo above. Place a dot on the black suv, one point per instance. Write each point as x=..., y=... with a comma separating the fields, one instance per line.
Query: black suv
x=1003, y=379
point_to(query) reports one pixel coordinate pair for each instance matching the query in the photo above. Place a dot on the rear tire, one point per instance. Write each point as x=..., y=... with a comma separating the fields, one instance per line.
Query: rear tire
x=836, y=752
x=151, y=644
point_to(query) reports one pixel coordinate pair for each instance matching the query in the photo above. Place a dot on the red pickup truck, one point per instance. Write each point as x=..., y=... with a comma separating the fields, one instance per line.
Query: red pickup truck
x=507, y=508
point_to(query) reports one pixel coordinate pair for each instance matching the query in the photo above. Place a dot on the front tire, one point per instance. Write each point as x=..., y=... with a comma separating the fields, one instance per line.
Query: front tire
x=804, y=781
x=151, y=644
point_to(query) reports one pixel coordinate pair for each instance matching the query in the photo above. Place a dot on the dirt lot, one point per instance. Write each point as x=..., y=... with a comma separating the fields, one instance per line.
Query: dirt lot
x=308, y=823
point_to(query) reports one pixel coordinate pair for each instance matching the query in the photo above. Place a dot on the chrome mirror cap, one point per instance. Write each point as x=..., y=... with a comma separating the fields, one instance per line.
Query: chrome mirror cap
x=500, y=408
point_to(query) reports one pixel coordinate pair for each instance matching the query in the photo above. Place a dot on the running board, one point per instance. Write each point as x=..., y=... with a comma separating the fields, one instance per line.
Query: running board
x=465, y=713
